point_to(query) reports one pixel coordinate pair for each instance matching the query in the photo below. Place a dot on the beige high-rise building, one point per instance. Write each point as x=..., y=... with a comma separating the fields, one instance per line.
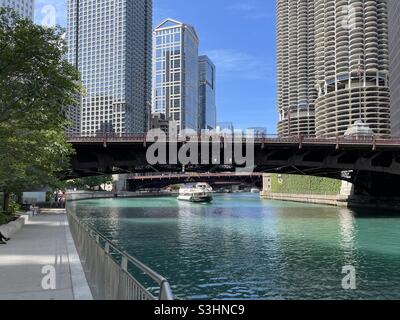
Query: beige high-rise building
x=348, y=65
x=109, y=42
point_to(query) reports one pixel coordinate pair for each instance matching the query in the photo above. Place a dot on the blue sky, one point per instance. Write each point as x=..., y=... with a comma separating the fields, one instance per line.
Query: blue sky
x=239, y=36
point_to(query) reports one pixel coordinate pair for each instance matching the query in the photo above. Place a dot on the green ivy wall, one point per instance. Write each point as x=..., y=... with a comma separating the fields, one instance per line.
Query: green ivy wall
x=293, y=184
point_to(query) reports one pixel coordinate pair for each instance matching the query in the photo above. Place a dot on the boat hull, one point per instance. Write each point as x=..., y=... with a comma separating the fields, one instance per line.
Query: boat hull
x=206, y=199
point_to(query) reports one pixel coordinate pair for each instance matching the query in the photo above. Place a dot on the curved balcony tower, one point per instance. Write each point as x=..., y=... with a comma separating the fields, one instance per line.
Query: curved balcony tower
x=394, y=47
x=352, y=66
x=295, y=67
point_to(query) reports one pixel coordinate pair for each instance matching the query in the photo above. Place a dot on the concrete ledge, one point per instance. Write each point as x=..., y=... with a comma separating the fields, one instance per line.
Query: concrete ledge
x=80, y=287
x=11, y=228
x=332, y=200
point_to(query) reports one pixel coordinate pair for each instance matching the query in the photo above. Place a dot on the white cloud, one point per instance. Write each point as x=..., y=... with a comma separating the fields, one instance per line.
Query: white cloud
x=235, y=64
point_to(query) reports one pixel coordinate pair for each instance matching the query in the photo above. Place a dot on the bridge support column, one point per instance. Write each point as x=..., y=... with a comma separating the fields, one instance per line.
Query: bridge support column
x=376, y=190
x=376, y=184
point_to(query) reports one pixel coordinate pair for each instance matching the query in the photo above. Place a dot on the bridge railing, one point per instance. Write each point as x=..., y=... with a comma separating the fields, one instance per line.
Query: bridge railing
x=238, y=138
x=109, y=270
x=171, y=175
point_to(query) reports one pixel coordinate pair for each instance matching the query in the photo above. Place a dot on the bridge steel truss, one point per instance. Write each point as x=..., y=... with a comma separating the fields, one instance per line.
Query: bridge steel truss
x=373, y=165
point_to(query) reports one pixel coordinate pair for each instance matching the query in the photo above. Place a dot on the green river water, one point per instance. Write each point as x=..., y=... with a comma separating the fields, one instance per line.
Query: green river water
x=242, y=247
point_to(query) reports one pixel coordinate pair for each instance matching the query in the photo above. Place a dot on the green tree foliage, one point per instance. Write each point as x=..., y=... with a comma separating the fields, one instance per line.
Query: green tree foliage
x=89, y=182
x=36, y=86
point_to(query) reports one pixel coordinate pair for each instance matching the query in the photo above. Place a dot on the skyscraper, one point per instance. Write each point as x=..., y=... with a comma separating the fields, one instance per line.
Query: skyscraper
x=296, y=67
x=109, y=41
x=341, y=49
x=394, y=50
x=207, y=107
x=25, y=8
x=176, y=73
x=352, y=65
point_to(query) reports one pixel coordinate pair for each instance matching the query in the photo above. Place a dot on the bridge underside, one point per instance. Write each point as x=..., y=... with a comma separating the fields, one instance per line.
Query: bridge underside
x=215, y=182
x=375, y=170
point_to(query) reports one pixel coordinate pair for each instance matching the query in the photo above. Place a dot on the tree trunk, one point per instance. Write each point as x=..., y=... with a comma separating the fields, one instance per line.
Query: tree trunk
x=6, y=201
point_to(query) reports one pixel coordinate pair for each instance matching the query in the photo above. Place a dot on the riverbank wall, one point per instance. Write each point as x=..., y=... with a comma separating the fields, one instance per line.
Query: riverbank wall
x=306, y=189
x=332, y=200
x=323, y=191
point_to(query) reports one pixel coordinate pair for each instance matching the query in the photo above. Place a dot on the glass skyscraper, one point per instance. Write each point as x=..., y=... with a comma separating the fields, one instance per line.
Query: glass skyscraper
x=207, y=107
x=109, y=41
x=176, y=74
x=25, y=8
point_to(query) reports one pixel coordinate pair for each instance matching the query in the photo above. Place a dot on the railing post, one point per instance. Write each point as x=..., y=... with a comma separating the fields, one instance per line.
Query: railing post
x=165, y=292
x=124, y=263
x=107, y=248
x=300, y=142
x=337, y=143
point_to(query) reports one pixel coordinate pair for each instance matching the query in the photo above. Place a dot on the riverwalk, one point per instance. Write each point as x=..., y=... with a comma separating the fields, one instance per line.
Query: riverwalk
x=41, y=254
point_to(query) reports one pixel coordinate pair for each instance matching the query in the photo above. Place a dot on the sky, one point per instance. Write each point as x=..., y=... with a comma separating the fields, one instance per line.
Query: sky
x=238, y=35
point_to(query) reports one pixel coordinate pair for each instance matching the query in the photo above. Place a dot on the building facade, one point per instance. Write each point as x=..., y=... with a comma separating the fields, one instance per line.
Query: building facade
x=296, y=67
x=339, y=51
x=176, y=74
x=394, y=53
x=25, y=8
x=207, y=90
x=109, y=41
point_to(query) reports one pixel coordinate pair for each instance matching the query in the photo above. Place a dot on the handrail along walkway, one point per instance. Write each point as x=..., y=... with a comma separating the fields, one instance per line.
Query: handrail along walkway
x=108, y=279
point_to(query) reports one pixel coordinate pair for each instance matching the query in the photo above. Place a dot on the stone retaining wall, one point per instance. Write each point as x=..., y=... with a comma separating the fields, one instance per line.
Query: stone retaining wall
x=333, y=200
x=11, y=228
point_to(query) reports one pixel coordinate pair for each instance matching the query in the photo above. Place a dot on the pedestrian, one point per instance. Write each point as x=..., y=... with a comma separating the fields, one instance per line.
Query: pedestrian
x=63, y=199
x=3, y=239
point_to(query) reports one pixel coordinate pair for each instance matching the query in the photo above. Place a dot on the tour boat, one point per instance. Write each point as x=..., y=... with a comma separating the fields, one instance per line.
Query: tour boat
x=255, y=190
x=199, y=192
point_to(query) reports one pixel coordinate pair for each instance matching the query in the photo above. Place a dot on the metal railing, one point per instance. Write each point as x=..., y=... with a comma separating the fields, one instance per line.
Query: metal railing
x=260, y=139
x=108, y=269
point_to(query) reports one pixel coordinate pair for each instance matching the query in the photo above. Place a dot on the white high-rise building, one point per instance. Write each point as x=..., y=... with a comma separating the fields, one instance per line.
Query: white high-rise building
x=109, y=41
x=25, y=8
x=176, y=74
x=333, y=66
x=352, y=66
x=296, y=67
x=394, y=45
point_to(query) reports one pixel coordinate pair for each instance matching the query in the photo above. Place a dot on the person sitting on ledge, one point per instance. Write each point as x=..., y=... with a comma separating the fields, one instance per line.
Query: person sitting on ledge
x=3, y=239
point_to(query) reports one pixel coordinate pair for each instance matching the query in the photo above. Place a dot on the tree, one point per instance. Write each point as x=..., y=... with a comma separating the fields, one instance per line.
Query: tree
x=36, y=87
x=90, y=182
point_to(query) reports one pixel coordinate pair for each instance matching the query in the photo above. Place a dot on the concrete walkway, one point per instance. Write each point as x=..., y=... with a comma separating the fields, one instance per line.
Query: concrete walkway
x=43, y=245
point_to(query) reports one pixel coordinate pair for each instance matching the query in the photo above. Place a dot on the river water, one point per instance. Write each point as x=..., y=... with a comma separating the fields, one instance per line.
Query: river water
x=242, y=247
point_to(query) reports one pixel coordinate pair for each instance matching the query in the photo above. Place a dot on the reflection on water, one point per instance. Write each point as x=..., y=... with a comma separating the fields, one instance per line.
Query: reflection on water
x=241, y=247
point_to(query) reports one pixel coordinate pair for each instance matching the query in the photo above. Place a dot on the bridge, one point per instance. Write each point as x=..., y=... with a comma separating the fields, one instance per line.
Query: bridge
x=372, y=164
x=216, y=180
